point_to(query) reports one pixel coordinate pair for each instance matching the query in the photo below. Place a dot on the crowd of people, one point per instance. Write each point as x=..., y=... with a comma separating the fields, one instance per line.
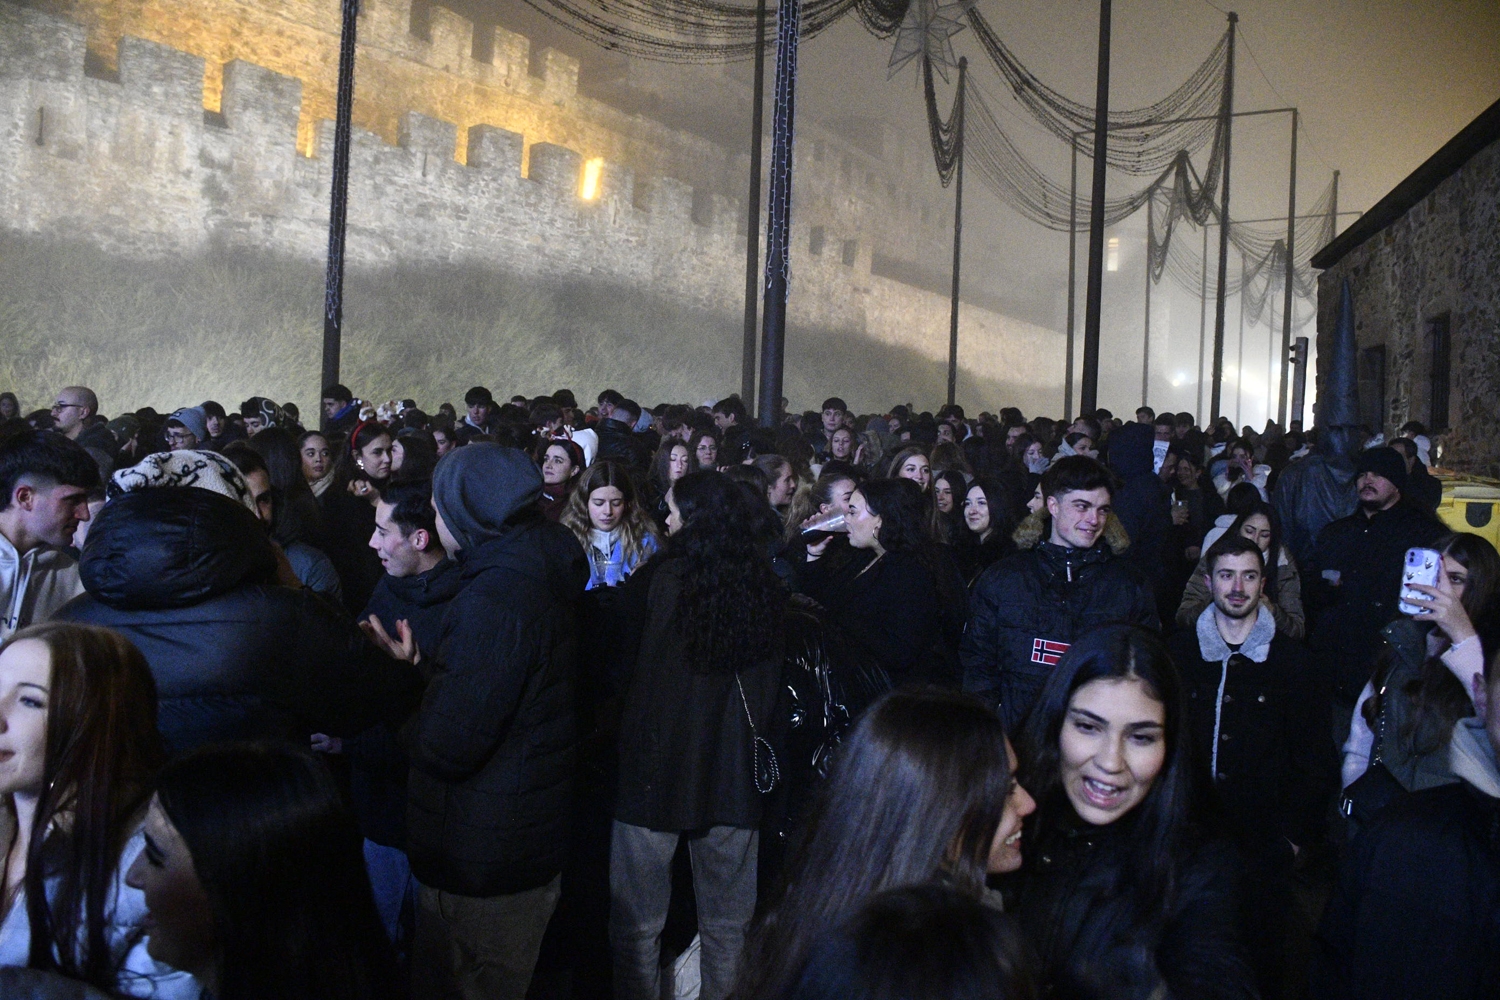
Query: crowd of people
x=542, y=700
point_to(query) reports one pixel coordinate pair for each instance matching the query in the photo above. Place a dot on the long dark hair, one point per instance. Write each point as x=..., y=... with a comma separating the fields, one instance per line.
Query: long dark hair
x=364, y=435
x=1002, y=519
x=1273, y=555
x=947, y=527
x=1438, y=699
x=281, y=861
x=1162, y=821
x=102, y=750
x=917, y=792
x=732, y=603
x=902, y=507
x=298, y=516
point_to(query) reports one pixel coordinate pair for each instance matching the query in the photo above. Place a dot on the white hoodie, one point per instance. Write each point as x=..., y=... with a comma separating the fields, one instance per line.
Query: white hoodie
x=33, y=586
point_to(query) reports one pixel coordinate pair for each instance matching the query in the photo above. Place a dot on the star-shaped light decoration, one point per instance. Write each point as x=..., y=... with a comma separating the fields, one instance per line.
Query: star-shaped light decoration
x=928, y=29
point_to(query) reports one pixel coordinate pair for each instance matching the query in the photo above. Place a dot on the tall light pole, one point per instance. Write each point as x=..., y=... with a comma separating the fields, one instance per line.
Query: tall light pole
x=1218, y=375
x=1089, y=391
x=779, y=218
x=958, y=235
x=333, y=286
x=752, y=216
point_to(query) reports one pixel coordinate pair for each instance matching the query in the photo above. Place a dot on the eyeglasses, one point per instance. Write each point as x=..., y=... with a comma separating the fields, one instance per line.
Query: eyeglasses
x=63, y=406
x=177, y=437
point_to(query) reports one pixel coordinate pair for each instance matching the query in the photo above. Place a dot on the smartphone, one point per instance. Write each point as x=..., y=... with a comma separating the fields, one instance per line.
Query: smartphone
x=1422, y=566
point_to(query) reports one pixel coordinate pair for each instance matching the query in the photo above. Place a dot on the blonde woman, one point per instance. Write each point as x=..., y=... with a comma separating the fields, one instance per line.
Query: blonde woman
x=606, y=516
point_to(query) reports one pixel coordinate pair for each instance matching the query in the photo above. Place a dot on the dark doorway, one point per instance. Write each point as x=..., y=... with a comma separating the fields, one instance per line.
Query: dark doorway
x=1372, y=387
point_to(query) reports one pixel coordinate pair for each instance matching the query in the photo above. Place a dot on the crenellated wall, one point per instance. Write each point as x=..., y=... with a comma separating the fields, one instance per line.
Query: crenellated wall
x=157, y=151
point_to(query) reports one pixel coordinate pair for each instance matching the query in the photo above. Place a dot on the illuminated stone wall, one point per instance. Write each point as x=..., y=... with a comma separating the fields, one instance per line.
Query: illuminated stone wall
x=162, y=148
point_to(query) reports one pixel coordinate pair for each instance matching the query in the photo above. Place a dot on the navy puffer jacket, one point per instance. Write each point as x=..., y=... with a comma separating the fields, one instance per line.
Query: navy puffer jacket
x=189, y=577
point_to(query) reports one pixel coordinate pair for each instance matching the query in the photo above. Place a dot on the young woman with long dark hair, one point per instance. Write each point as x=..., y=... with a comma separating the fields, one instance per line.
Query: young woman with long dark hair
x=81, y=747
x=923, y=789
x=561, y=462
x=605, y=515
x=697, y=735
x=703, y=445
x=949, y=488
x=987, y=525
x=672, y=461
x=255, y=879
x=899, y=601
x=367, y=463
x=1424, y=681
x=318, y=465
x=1121, y=892
x=911, y=463
x=348, y=509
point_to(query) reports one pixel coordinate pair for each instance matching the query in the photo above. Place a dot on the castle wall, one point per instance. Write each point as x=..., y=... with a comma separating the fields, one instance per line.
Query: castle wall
x=135, y=165
x=1442, y=258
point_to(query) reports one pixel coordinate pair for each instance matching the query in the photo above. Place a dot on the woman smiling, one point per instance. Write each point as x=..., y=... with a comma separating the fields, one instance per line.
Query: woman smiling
x=1122, y=894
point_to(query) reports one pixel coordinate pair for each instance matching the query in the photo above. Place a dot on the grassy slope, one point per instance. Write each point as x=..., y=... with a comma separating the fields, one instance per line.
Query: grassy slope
x=225, y=326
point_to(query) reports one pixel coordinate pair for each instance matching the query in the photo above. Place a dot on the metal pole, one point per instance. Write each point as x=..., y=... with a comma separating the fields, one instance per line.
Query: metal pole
x=1299, y=383
x=1146, y=340
x=1239, y=371
x=779, y=218
x=1291, y=255
x=333, y=287
x=752, y=216
x=958, y=233
x=1072, y=284
x=1202, y=324
x=1218, y=377
x=1088, y=400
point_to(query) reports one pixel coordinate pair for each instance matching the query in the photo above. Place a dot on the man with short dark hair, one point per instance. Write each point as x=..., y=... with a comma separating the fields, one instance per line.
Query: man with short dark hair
x=479, y=418
x=45, y=481
x=832, y=418
x=340, y=409
x=1255, y=717
x=419, y=578
x=1422, y=489
x=617, y=438
x=1027, y=609
x=729, y=412
x=1355, y=575
x=1144, y=415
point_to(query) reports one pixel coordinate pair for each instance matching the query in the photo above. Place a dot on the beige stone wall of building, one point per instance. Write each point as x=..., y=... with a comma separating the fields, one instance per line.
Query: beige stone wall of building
x=1442, y=258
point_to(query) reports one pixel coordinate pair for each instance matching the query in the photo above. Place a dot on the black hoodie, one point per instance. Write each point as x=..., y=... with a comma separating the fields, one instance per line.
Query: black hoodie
x=492, y=747
x=189, y=577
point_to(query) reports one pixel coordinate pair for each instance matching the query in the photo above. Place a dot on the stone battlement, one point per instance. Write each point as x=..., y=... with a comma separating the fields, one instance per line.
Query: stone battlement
x=133, y=161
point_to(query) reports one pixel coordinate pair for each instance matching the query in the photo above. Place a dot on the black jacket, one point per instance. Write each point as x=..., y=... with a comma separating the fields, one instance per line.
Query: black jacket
x=906, y=612
x=348, y=522
x=1142, y=503
x=421, y=600
x=1416, y=914
x=1369, y=553
x=1093, y=942
x=378, y=766
x=619, y=443
x=686, y=756
x=188, y=576
x=492, y=747
x=1026, y=609
x=1274, y=769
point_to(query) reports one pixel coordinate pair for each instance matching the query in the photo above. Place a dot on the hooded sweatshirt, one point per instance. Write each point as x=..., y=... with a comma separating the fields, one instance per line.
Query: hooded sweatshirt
x=476, y=489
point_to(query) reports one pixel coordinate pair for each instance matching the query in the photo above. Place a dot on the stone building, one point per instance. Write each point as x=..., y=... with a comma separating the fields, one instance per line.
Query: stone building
x=161, y=127
x=1424, y=268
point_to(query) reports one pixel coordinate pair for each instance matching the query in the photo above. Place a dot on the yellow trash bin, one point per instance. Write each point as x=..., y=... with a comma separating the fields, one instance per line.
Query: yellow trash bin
x=1472, y=504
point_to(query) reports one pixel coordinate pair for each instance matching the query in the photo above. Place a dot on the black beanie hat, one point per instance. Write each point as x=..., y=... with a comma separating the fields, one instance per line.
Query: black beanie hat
x=1385, y=462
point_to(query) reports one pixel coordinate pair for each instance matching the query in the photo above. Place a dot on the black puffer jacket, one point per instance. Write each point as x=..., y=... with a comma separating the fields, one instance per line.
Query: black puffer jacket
x=1094, y=943
x=188, y=576
x=1369, y=553
x=1027, y=608
x=492, y=749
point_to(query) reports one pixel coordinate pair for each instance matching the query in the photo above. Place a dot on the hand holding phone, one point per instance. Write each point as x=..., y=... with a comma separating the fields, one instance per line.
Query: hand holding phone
x=1423, y=566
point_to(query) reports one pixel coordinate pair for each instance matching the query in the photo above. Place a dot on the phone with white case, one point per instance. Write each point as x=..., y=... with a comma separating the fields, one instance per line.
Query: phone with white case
x=1423, y=567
